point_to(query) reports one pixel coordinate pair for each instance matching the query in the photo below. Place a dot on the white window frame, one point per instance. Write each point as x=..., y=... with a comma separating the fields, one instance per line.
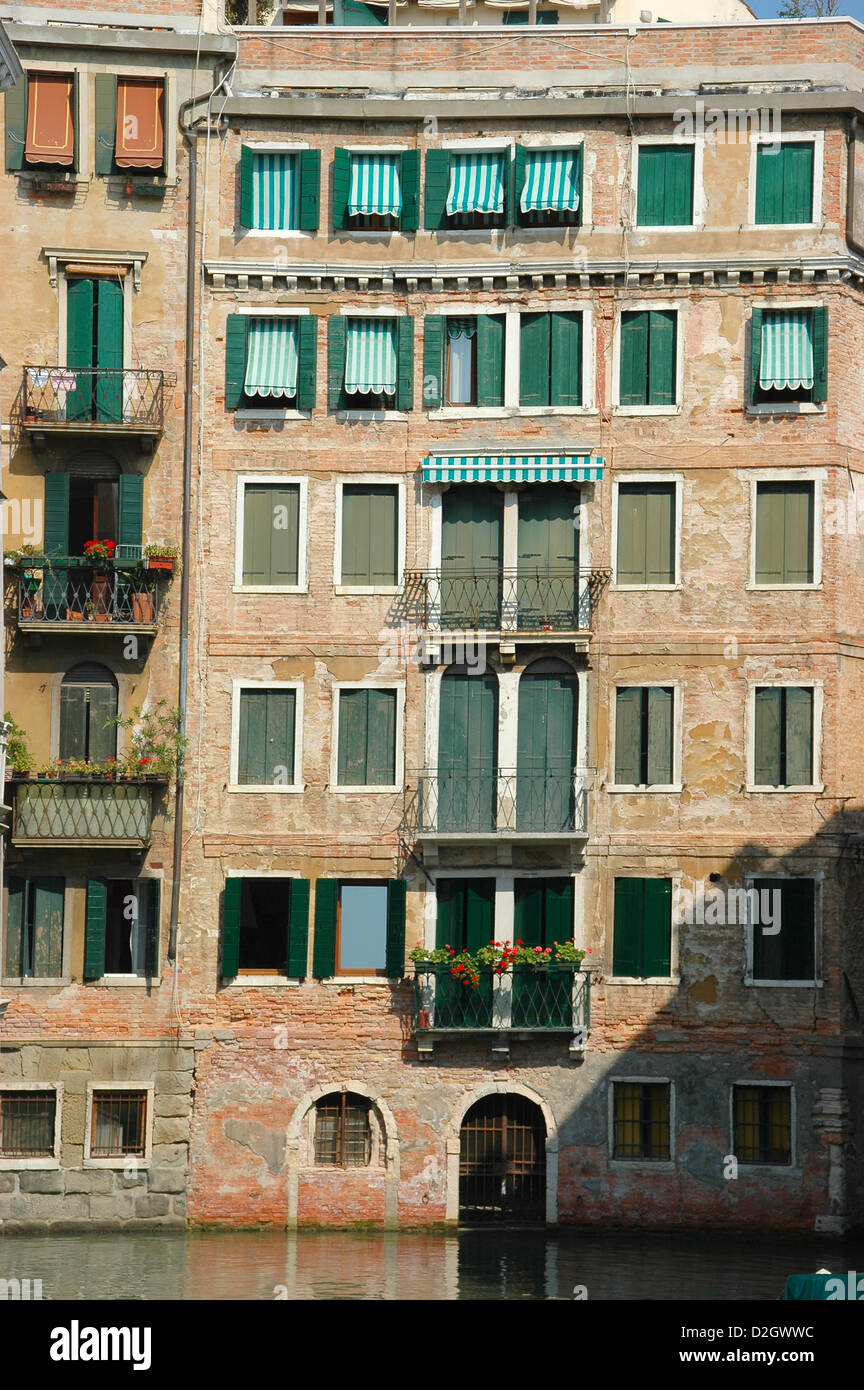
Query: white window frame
x=771, y=306
x=370, y=480
x=817, y=878
x=266, y=412
x=818, y=689
x=642, y=306
x=699, y=201
x=368, y=683
x=762, y=1081
x=673, y=978
x=347, y=413
x=252, y=981
x=795, y=137
x=653, y=788
x=302, y=585
x=653, y=1165
x=266, y=788
x=274, y=233
x=532, y=141
x=36, y=1163
x=677, y=481
x=120, y=1161
x=816, y=476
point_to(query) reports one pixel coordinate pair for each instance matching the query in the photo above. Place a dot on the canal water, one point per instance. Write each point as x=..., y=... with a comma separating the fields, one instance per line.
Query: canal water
x=481, y=1264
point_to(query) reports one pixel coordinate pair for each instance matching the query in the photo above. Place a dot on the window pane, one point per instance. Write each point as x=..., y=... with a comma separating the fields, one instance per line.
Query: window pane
x=784, y=533
x=27, y=1124
x=460, y=374
x=266, y=738
x=763, y=1124
x=118, y=1124
x=363, y=926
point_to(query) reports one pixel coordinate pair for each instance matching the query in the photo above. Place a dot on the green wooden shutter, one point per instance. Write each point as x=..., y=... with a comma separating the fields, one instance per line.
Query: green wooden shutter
x=131, y=509
x=14, y=966
x=661, y=357
x=490, y=359
x=756, y=352
x=297, y=945
x=566, y=359
x=73, y=722
x=657, y=943
x=660, y=533
x=310, y=190
x=435, y=192
x=94, y=928
x=546, y=752
x=231, y=928
x=409, y=218
x=384, y=536
x=519, y=163
x=353, y=753
x=405, y=362
x=236, y=340
x=534, y=357
x=307, y=361
x=80, y=346
x=250, y=741
x=247, y=180
x=356, y=563
x=56, y=532
x=627, y=935
x=380, y=738
x=467, y=752
x=105, y=97
x=150, y=898
x=266, y=736
x=336, y=339
x=766, y=737
x=271, y=534
x=16, y=123
x=324, y=945
x=798, y=182
x=434, y=326
x=479, y=913
x=650, y=199
x=798, y=533
x=770, y=533
x=632, y=538
x=770, y=177
x=528, y=911
x=634, y=359
x=558, y=910
x=102, y=734
x=450, y=898
x=109, y=350
x=820, y=354
x=395, y=953
x=660, y=703
x=628, y=736
x=678, y=186
x=799, y=736
x=341, y=187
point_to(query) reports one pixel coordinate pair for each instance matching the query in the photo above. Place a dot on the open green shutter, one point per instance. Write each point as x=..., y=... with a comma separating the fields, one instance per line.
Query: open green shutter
x=94, y=928
x=660, y=702
x=661, y=357
x=766, y=737
x=657, y=946
x=395, y=953
x=534, y=353
x=14, y=965
x=131, y=509
x=149, y=902
x=310, y=190
x=336, y=338
x=519, y=163
x=307, y=361
x=404, y=362
x=105, y=100
x=16, y=123
x=490, y=359
x=660, y=533
x=434, y=326
x=627, y=937
x=650, y=201
x=247, y=178
x=799, y=736
x=409, y=218
x=566, y=359
x=324, y=946
x=820, y=354
x=47, y=927
x=634, y=359
x=770, y=175
x=341, y=186
x=298, y=929
x=437, y=184
x=236, y=339
x=756, y=351
x=231, y=928
x=628, y=736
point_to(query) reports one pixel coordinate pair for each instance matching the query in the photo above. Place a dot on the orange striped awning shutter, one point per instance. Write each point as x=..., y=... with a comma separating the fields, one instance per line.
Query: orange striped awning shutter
x=50, y=119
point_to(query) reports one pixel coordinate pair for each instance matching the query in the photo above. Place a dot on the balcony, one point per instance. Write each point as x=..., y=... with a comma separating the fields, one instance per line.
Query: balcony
x=522, y=1002
x=101, y=400
x=505, y=604
x=75, y=812
x=509, y=804
x=72, y=594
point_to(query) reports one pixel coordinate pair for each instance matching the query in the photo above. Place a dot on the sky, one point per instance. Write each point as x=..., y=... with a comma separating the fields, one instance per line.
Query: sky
x=766, y=9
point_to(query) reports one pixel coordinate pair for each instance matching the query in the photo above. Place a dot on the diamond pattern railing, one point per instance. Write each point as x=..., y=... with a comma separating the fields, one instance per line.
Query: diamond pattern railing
x=82, y=812
x=543, y=999
x=111, y=397
x=503, y=802
x=85, y=594
x=504, y=600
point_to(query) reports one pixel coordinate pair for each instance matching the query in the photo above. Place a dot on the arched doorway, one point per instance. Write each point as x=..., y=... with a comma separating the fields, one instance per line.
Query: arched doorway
x=502, y=1161
x=88, y=707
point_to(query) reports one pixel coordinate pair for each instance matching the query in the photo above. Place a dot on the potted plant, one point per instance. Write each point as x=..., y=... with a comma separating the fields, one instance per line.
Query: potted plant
x=143, y=600
x=18, y=758
x=155, y=744
x=160, y=557
x=100, y=590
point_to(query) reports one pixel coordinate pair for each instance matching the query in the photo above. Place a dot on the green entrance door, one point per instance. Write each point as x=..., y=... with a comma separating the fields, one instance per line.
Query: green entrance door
x=94, y=347
x=467, y=753
x=548, y=559
x=546, y=748
x=472, y=529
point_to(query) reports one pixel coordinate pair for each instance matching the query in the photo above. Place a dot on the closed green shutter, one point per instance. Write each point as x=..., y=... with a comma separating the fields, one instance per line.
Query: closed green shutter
x=770, y=533
x=632, y=519
x=787, y=954
x=661, y=357
x=409, y=218
x=271, y=534
x=651, y=197
x=405, y=362
x=798, y=533
x=628, y=736
x=395, y=953
x=131, y=510
x=558, y=925
x=80, y=347
x=236, y=340
x=660, y=702
x=352, y=749
x=310, y=190
x=14, y=966
x=534, y=357
x=109, y=350
x=297, y=947
x=336, y=335
x=231, y=928
x=467, y=752
x=105, y=100
x=627, y=937
x=370, y=518
x=660, y=534
x=356, y=14
x=547, y=557
x=566, y=359
x=820, y=355
x=433, y=360
x=766, y=740
x=16, y=123
x=437, y=184
x=266, y=737
x=307, y=361
x=247, y=179
x=324, y=946
x=519, y=163
x=341, y=187
x=94, y=928
x=798, y=182
x=102, y=733
x=657, y=944
x=490, y=359
x=150, y=898
x=73, y=722
x=546, y=752
x=471, y=556
x=770, y=173
x=678, y=186
x=756, y=352
x=634, y=359
x=381, y=738
x=799, y=736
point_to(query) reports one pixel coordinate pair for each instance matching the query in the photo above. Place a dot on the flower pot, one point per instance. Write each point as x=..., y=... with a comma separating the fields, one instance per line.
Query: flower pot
x=423, y=1018
x=74, y=615
x=100, y=593
x=142, y=608
x=161, y=562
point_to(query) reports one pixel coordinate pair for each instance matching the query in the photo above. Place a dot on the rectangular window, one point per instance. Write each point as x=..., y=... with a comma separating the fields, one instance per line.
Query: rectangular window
x=270, y=362
x=762, y=1124
x=642, y=947
x=370, y=362
x=787, y=949
x=783, y=736
x=50, y=119
x=648, y=369
x=34, y=928
x=549, y=16
x=644, y=724
x=370, y=536
x=465, y=913
x=27, y=1124
x=789, y=356
x=266, y=926
x=476, y=192
x=275, y=190
x=266, y=734
x=271, y=534
x=463, y=360
x=376, y=189
x=548, y=184
x=366, y=738
x=784, y=532
x=550, y=359
x=118, y=1124
x=121, y=934
x=784, y=182
x=271, y=359
x=646, y=534
x=641, y=1123
x=665, y=186
x=140, y=140
x=361, y=947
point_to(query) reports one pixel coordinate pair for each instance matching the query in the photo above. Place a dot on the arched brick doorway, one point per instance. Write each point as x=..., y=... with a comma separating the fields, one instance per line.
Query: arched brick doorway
x=502, y=1161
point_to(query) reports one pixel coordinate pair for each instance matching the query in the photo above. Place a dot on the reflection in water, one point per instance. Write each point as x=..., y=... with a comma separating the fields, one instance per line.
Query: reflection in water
x=480, y=1264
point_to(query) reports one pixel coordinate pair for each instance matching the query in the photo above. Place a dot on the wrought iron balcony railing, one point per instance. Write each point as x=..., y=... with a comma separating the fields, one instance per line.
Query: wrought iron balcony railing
x=547, y=999
x=495, y=599
x=512, y=802
x=78, y=595
x=79, y=812
x=124, y=399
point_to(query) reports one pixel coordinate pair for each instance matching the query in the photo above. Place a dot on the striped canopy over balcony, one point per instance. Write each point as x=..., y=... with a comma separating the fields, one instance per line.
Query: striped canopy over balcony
x=370, y=357
x=271, y=360
x=551, y=181
x=512, y=468
x=476, y=182
x=376, y=186
x=786, y=361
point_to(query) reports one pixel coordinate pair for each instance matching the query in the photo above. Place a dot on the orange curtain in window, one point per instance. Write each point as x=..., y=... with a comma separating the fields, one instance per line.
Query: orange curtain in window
x=140, y=123
x=50, y=119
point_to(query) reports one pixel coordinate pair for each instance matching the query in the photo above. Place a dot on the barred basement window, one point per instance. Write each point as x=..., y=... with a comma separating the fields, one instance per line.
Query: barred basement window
x=641, y=1120
x=117, y=1124
x=763, y=1124
x=27, y=1124
x=343, y=1133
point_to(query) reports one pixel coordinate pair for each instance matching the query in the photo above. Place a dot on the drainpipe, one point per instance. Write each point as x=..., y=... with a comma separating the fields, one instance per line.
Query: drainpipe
x=850, y=185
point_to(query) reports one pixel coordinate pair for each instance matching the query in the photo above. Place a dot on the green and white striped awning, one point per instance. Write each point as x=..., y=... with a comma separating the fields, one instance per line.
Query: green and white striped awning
x=786, y=361
x=551, y=181
x=476, y=182
x=512, y=468
x=376, y=186
x=370, y=357
x=271, y=358
x=275, y=187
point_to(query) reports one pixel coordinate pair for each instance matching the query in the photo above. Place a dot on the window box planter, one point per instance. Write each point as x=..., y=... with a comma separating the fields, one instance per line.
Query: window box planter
x=164, y=563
